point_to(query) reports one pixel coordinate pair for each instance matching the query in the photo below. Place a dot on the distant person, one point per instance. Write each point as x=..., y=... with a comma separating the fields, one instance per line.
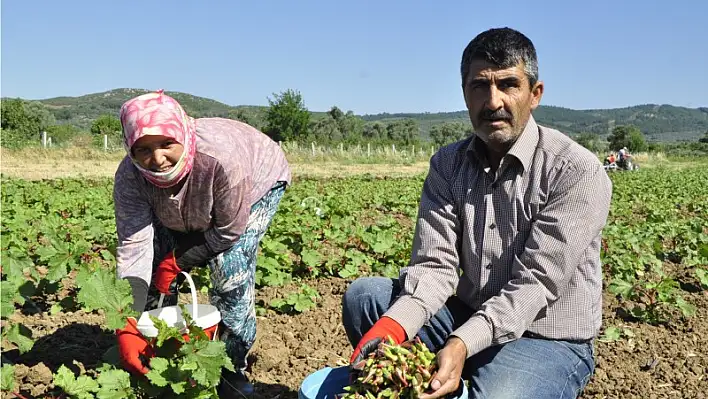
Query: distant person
x=610, y=159
x=518, y=209
x=622, y=154
x=194, y=193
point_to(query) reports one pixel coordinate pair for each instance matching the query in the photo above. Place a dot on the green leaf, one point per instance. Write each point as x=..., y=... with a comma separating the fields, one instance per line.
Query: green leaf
x=311, y=258
x=178, y=387
x=686, y=308
x=56, y=308
x=158, y=369
x=165, y=332
x=104, y=291
x=205, y=359
x=702, y=277
x=81, y=387
x=14, y=268
x=8, y=297
x=21, y=336
x=107, y=255
x=7, y=378
x=611, y=334
x=58, y=268
x=114, y=384
x=620, y=287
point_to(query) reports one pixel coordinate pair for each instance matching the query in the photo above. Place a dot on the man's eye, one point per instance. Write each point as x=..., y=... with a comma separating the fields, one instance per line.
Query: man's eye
x=477, y=85
x=507, y=85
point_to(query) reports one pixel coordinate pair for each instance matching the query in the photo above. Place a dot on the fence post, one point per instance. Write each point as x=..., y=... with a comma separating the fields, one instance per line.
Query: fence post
x=44, y=139
x=105, y=142
x=49, y=141
x=313, y=148
x=432, y=150
x=368, y=150
x=341, y=148
x=393, y=149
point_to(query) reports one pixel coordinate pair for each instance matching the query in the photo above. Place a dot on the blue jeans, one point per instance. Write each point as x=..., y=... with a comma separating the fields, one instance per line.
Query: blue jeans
x=525, y=368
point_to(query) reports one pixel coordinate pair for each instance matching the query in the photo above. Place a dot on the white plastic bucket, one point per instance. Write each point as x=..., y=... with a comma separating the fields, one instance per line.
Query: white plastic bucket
x=207, y=317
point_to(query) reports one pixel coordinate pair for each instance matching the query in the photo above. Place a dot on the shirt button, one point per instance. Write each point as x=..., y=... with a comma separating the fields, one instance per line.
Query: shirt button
x=492, y=226
x=489, y=266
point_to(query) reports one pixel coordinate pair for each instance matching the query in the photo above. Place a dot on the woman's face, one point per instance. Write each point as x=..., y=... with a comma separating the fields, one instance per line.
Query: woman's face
x=157, y=153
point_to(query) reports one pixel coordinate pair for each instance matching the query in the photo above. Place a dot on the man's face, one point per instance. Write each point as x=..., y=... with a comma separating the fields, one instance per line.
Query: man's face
x=499, y=102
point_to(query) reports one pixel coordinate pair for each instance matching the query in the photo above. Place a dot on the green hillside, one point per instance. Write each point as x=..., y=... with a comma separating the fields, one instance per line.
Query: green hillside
x=658, y=122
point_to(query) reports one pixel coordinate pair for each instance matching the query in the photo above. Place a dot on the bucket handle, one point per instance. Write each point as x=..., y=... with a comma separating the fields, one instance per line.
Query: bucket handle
x=194, y=296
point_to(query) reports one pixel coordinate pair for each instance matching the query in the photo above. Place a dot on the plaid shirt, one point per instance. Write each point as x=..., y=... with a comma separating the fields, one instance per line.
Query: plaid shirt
x=520, y=246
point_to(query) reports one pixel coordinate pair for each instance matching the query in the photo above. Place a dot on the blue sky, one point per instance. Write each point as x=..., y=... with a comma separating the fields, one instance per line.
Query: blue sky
x=365, y=56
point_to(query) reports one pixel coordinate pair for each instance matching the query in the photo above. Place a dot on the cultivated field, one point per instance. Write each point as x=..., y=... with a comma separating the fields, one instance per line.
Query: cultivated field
x=60, y=300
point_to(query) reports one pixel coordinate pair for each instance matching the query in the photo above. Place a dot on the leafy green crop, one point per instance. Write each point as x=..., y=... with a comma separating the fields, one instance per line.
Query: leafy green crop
x=59, y=236
x=297, y=302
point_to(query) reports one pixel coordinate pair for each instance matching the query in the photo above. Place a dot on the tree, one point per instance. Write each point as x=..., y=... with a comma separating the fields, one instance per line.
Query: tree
x=350, y=126
x=241, y=115
x=449, y=132
x=325, y=130
x=22, y=121
x=374, y=131
x=106, y=124
x=704, y=139
x=590, y=141
x=627, y=136
x=27, y=117
x=403, y=131
x=62, y=134
x=287, y=119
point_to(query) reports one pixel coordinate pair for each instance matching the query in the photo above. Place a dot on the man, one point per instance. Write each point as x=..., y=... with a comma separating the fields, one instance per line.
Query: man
x=504, y=280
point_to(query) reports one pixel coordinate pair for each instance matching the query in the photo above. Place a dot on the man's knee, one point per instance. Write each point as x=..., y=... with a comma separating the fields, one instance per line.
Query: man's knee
x=365, y=289
x=530, y=368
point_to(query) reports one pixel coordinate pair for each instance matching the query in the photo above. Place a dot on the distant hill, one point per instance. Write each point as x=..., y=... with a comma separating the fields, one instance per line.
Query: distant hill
x=658, y=122
x=664, y=123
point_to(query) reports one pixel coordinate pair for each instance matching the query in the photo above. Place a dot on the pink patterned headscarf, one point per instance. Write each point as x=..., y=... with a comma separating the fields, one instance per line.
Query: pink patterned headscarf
x=160, y=115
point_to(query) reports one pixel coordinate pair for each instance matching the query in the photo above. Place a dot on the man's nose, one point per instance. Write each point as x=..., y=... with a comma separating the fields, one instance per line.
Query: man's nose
x=494, y=100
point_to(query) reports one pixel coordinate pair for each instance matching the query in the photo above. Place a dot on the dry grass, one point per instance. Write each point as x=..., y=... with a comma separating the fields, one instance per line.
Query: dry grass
x=35, y=164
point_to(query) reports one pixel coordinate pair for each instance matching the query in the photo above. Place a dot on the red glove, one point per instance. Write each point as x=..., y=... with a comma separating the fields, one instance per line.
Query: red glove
x=384, y=327
x=131, y=344
x=167, y=270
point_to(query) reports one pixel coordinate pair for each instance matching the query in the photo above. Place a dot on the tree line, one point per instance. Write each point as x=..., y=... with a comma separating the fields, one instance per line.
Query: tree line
x=287, y=119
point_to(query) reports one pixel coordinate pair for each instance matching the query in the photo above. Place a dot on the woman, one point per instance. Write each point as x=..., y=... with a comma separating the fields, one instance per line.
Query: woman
x=193, y=192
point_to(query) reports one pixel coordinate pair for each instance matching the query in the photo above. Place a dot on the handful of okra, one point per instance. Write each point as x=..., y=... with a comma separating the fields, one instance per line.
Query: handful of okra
x=393, y=372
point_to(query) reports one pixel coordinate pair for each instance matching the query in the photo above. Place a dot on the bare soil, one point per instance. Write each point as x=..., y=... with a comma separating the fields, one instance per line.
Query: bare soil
x=668, y=361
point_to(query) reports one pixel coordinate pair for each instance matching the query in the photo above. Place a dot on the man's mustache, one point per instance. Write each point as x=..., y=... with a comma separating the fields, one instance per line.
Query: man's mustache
x=499, y=114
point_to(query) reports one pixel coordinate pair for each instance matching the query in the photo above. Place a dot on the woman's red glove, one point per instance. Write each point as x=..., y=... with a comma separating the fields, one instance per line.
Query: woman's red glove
x=384, y=327
x=131, y=345
x=167, y=270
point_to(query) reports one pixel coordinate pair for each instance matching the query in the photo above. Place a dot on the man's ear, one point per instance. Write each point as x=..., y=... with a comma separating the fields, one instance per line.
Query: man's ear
x=536, y=94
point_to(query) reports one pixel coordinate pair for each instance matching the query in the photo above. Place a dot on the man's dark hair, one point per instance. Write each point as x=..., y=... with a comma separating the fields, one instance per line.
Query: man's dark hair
x=503, y=47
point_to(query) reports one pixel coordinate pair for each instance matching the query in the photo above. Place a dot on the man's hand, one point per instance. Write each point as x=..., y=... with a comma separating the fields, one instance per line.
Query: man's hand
x=384, y=327
x=451, y=360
